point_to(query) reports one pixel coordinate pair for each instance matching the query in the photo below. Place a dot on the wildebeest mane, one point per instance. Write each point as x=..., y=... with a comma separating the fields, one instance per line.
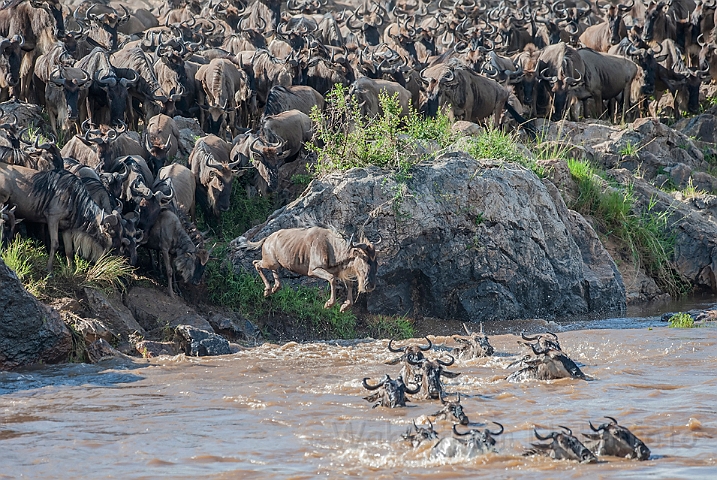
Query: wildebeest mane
x=273, y=100
x=66, y=188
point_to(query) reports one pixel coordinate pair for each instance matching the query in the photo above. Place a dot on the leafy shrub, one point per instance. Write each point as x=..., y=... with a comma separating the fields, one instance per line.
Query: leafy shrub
x=682, y=320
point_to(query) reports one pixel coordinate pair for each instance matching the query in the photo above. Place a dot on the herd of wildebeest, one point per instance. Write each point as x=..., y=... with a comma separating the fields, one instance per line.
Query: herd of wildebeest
x=112, y=80
x=548, y=362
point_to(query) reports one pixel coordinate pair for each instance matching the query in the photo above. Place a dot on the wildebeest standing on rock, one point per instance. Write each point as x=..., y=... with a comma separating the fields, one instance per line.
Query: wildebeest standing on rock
x=169, y=236
x=60, y=200
x=214, y=174
x=316, y=252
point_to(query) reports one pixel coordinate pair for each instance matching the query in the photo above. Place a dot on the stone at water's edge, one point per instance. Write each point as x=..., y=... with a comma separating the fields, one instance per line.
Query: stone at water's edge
x=30, y=332
x=463, y=239
x=200, y=343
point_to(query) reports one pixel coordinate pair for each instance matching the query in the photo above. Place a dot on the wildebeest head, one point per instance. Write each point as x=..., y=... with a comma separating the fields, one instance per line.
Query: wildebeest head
x=655, y=13
x=364, y=265
x=107, y=21
x=432, y=371
x=157, y=152
x=438, y=80
x=546, y=365
x=7, y=223
x=131, y=237
x=560, y=86
x=547, y=341
x=115, y=87
x=615, y=440
x=453, y=409
x=43, y=155
x=414, y=352
x=475, y=345
x=564, y=446
x=266, y=158
x=615, y=21
x=191, y=265
x=480, y=439
x=645, y=58
x=71, y=80
x=217, y=178
x=10, y=59
x=391, y=393
x=421, y=434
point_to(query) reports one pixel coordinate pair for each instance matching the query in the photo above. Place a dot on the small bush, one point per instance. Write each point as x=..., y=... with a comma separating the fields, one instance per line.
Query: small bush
x=244, y=212
x=682, y=320
x=645, y=233
x=397, y=328
x=107, y=273
x=496, y=144
x=29, y=262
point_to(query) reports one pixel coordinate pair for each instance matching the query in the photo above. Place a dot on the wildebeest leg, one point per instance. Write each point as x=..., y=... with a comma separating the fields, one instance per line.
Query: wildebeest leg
x=168, y=269
x=69, y=248
x=349, y=296
x=53, y=226
x=321, y=273
x=267, y=285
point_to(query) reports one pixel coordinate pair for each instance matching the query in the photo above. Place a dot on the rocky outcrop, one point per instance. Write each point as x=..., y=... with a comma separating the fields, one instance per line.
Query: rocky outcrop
x=189, y=131
x=462, y=238
x=200, y=343
x=30, y=332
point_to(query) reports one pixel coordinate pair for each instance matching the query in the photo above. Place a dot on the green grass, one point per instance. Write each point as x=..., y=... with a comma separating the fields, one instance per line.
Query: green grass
x=28, y=260
x=496, y=144
x=629, y=150
x=397, y=328
x=244, y=292
x=244, y=213
x=682, y=320
x=645, y=234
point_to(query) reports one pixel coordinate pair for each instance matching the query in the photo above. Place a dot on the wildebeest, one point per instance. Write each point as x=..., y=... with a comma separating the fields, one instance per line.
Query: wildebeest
x=316, y=252
x=467, y=95
x=224, y=90
x=453, y=409
x=368, y=94
x=184, y=186
x=564, y=446
x=250, y=150
x=478, y=442
x=418, y=435
x=615, y=440
x=7, y=224
x=290, y=128
x=58, y=199
x=475, y=345
x=213, y=172
x=294, y=97
x=431, y=373
x=161, y=140
x=62, y=94
x=169, y=237
x=546, y=341
x=546, y=365
x=410, y=371
x=390, y=394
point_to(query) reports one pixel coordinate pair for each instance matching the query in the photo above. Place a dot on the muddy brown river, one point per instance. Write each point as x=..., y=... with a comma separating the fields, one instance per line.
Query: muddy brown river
x=296, y=411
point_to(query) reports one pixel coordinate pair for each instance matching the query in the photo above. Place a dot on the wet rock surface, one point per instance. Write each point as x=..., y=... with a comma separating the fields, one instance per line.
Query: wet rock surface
x=465, y=239
x=30, y=332
x=200, y=343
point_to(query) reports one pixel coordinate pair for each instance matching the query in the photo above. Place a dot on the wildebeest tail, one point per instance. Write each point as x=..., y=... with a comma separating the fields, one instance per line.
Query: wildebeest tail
x=522, y=122
x=243, y=244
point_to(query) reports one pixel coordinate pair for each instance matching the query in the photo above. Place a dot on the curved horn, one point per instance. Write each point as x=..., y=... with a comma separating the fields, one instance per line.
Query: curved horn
x=611, y=419
x=570, y=432
x=412, y=391
x=427, y=347
x=465, y=327
x=548, y=437
x=529, y=339
x=592, y=427
x=372, y=387
x=394, y=350
x=496, y=433
x=459, y=433
x=446, y=364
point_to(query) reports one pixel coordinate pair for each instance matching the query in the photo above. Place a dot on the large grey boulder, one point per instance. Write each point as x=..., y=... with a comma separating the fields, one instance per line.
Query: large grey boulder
x=464, y=239
x=30, y=332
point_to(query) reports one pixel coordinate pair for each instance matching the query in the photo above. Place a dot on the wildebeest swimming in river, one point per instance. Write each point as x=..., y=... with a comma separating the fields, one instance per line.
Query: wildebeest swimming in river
x=410, y=371
x=421, y=434
x=316, y=252
x=547, y=364
x=615, y=440
x=564, y=446
x=474, y=345
x=477, y=443
x=391, y=393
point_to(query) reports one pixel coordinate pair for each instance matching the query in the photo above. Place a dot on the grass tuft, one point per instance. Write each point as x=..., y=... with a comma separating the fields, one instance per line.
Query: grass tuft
x=397, y=328
x=682, y=320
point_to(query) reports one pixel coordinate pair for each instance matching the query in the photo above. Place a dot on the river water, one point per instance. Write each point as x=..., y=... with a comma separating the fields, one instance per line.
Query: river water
x=296, y=411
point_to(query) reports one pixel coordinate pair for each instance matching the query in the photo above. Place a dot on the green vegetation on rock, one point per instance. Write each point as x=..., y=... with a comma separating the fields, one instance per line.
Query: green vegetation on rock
x=682, y=320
